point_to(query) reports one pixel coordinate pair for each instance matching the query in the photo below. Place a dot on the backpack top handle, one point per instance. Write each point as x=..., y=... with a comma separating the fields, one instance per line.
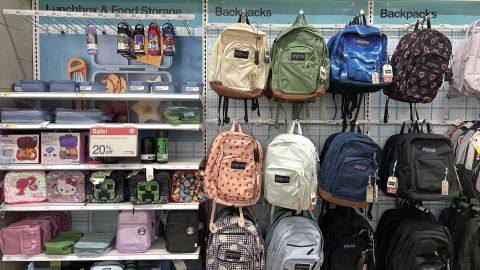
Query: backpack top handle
x=300, y=20
x=243, y=18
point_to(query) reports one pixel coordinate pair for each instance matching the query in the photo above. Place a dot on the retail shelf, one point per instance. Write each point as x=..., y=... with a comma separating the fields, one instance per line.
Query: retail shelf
x=97, y=15
x=338, y=122
x=156, y=252
x=173, y=164
x=98, y=96
x=54, y=126
x=95, y=207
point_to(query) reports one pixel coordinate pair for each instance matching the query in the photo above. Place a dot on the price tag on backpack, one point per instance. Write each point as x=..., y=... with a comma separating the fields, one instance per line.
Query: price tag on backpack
x=445, y=184
x=323, y=73
x=369, y=194
x=387, y=73
x=392, y=185
x=149, y=174
x=375, y=78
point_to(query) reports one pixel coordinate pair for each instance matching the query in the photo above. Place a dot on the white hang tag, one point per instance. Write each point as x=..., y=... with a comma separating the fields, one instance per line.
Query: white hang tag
x=323, y=73
x=375, y=78
x=387, y=73
x=445, y=187
x=376, y=192
x=369, y=193
x=98, y=177
x=149, y=173
x=392, y=185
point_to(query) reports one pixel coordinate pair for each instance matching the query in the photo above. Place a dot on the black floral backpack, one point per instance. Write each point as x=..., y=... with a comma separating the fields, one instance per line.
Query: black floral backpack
x=419, y=64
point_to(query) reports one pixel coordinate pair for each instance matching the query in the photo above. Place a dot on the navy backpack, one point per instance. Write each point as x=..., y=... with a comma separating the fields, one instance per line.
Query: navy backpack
x=347, y=163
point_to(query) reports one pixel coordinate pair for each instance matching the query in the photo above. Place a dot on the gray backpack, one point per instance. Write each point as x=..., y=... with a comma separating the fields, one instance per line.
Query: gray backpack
x=233, y=247
x=294, y=242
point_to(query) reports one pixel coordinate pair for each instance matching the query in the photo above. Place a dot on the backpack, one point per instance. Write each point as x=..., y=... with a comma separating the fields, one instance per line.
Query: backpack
x=66, y=186
x=294, y=242
x=146, y=192
x=349, y=240
x=417, y=241
x=348, y=165
x=420, y=162
x=419, y=63
x=234, y=247
x=357, y=52
x=109, y=187
x=239, y=66
x=300, y=64
x=136, y=231
x=182, y=231
x=24, y=187
x=291, y=166
x=233, y=174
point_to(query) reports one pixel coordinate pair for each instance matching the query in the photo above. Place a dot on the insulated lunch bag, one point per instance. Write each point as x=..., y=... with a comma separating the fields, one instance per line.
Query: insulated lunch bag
x=182, y=231
x=24, y=187
x=136, y=231
x=94, y=244
x=294, y=242
x=291, y=166
x=154, y=191
x=108, y=187
x=188, y=186
x=348, y=167
x=300, y=63
x=66, y=186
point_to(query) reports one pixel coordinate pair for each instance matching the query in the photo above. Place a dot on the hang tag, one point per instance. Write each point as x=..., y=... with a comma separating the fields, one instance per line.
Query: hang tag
x=387, y=73
x=98, y=177
x=445, y=187
x=267, y=56
x=323, y=73
x=448, y=77
x=370, y=193
x=313, y=198
x=180, y=265
x=376, y=192
x=365, y=267
x=375, y=78
x=392, y=185
x=149, y=173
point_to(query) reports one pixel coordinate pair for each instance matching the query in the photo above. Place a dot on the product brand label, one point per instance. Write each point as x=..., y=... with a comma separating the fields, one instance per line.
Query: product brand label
x=429, y=150
x=282, y=179
x=240, y=54
x=238, y=165
x=360, y=167
x=349, y=246
x=362, y=42
x=232, y=255
x=297, y=56
x=302, y=266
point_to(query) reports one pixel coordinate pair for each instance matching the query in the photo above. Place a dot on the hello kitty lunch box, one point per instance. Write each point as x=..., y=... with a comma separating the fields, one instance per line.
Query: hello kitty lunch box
x=66, y=186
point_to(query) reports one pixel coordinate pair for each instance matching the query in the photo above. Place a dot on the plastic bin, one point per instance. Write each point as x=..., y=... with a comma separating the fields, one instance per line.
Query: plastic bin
x=138, y=87
x=9, y=115
x=30, y=86
x=80, y=116
x=163, y=87
x=191, y=88
x=182, y=115
x=92, y=87
x=63, y=86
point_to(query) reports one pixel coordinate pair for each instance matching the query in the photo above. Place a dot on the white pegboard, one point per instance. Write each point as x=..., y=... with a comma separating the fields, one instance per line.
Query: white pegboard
x=461, y=108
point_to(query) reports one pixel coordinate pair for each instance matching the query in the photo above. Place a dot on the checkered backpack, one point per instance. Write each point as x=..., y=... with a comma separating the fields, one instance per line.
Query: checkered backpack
x=233, y=175
x=233, y=247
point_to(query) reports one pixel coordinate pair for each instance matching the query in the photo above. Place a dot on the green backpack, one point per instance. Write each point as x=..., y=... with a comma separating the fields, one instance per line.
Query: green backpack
x=300, y=68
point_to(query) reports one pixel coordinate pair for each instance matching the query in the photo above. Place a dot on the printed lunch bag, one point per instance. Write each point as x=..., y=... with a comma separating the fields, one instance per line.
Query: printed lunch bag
x=105, y=187
x=66, y=186
x=188, y=186
x=154, y=191
x=24, y=187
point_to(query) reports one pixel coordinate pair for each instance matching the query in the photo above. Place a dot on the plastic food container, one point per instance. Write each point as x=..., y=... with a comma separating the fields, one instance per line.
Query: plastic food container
x=163, y=87
x=8, y=115
x=79, y=116
x=63, y=86
x=191, y=88
x=92, y=87
x=182, y=115
x=138, y=87
x=30, y=86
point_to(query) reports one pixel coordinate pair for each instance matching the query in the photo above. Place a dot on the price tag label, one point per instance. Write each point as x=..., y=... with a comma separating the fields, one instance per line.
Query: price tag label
x=113, y=142
x=137, y=87
x=192, y=88
x=161, y=88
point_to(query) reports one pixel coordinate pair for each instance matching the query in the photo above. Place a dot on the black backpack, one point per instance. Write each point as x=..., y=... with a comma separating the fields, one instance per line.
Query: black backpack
x=156, y=191
x=464, y=225
x=349, y=240
x=420, y=161
x=419, y=63
x=411, y=239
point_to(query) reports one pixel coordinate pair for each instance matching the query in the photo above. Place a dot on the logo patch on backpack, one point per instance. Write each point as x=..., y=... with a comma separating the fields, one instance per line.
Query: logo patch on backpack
x=360, y=167
x=301, y=266
x=282, y=179
x=349, y=246
x=429, y=150
x=297, y=56
x=363, y=42
x=238, y=165
x=232, y=255
x=241, y=54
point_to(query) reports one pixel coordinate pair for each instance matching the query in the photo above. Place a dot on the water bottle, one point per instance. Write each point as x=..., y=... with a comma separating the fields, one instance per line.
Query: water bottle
x=138, y=36
x=123, y=38
x=162, y=146
x=168, y=39
x=154, y=40
x=92, y=43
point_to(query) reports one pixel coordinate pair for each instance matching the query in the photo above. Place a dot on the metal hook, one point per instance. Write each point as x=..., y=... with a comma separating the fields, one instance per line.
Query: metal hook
x=71, y=27
x=54, y=26
x=32, y=21
x=109, y=25
x=187, y=27
x=104, y=31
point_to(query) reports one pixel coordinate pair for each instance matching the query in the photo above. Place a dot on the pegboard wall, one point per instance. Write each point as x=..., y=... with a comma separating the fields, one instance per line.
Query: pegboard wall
x=318, y=131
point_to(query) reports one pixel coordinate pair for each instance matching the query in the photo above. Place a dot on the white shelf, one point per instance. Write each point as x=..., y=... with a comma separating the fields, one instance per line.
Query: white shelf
x=97, y=15
x=98, y=96
x=54, y=126
x=95, y=207
x=156, y=252
x=173, y=164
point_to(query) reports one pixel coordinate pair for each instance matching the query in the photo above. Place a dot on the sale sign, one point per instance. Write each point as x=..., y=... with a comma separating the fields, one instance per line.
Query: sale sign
x=113, y=142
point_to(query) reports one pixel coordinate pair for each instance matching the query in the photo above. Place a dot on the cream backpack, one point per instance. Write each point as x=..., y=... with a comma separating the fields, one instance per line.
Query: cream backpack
x=239, y=66
x=234, y=171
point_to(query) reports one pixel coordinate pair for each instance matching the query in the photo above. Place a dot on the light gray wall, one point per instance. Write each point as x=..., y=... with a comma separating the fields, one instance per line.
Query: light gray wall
x=15, y=44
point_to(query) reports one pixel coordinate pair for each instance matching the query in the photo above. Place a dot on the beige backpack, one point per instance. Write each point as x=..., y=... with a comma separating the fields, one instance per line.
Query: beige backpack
x=239, y=66
x=234, y=170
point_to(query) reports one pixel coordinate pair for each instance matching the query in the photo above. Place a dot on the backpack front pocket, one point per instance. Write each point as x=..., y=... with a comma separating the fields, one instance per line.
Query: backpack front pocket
x=360, y=69
x=352, y=179
x=235, y=255
x=238, y=66
x=429, y=174
x=133, y=238
x=299, y=70
x=283, y=186
x=237, y=178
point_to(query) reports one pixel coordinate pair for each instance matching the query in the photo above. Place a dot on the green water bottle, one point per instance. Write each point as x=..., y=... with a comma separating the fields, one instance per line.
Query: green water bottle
x=162, y=146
